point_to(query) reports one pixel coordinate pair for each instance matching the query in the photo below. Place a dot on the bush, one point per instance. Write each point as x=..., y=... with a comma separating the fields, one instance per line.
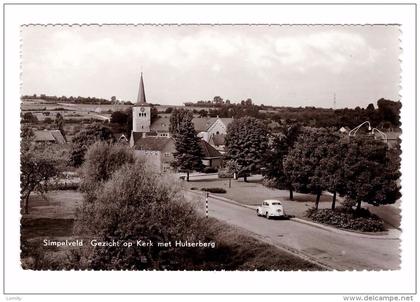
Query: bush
x=85, y=138
x=64, y=186
x=346, y=218
x=101, y=160
x=137, y=204
x=119, y=117
x=270, y=183
x=214, y=190
x=225, y=174
x=210, y=170
x=29, y=117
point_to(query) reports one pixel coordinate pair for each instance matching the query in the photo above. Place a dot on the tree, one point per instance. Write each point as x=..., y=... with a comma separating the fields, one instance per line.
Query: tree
x=331, y=164
x=137, y=204
x=178, y=116
x=203, y=113
x=217, y=100
x=370, y=174
x=153, y=114
x=29, y=117
x=247, y=144
x=129, y=123
x=59, y=123
x=85, y=138
x=101, y=160
x=329, y=158
x=26, y=135
x=389, y=111
x=311, y=161
x=370, y=107
x=36, y=169
x=119, y=117
x=279, y=148
x=188, y=154
x=300, y=164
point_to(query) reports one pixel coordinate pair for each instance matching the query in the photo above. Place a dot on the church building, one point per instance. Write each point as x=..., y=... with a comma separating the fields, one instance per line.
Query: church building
x=153, y=142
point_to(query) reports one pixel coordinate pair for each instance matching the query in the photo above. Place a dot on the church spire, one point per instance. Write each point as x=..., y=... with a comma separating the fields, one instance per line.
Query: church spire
x=141, y=97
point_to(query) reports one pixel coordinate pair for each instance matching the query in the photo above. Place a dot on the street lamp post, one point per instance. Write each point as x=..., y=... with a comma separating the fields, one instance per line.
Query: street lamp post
x=353, y=132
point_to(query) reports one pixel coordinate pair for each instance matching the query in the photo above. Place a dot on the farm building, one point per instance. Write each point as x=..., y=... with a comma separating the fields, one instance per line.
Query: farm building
x=49, y=136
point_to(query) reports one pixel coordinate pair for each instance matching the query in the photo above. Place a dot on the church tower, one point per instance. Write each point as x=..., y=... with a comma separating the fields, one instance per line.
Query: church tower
x=141, y=112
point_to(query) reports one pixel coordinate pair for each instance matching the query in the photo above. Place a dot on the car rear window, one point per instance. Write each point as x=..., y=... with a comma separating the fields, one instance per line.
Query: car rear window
x=276, y=203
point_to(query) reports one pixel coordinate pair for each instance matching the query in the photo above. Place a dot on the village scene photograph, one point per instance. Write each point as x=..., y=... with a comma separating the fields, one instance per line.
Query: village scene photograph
x=210, y=147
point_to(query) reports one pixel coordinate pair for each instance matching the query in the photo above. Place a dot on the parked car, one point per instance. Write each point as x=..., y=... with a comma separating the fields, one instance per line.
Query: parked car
x=271, y=208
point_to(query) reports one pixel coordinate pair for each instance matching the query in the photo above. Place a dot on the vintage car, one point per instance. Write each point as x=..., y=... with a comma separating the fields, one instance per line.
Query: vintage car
x=271, y=208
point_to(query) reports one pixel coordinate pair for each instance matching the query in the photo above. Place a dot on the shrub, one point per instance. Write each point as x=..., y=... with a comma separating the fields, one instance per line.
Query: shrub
x=225, y=174
x=210, y=170
x=346, y=218
x=101, y=160
x=270, y=183
x=85, y=138
x=214, y=190
x=137, y=204
x=64, y=186
x=29, y=117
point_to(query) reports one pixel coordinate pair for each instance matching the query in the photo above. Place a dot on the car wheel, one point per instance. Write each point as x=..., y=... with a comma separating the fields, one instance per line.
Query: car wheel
x=258, y=212
x=267, y=216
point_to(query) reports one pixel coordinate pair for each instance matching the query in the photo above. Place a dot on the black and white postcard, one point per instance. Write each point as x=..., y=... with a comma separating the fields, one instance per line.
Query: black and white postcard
x=189, y=148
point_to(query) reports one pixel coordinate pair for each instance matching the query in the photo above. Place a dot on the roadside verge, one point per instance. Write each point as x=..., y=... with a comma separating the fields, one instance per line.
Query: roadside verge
x=392, y=234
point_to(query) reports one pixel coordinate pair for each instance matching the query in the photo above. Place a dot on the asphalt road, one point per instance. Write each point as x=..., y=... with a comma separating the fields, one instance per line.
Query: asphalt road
x=334, y=250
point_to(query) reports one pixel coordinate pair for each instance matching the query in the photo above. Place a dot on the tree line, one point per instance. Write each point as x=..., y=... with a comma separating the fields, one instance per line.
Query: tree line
x=313, y=160
x=385, y=115
x=75, y=100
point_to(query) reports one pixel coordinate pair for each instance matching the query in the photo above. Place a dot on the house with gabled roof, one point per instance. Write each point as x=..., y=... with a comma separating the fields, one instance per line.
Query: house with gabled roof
x=49, y=137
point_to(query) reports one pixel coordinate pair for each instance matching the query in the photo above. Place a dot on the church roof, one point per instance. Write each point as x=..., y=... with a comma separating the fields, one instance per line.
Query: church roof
x=226, y=120
x=152, y=143
x=208, y=150
x=201, y=124
x=161, y=124
x=141, y=97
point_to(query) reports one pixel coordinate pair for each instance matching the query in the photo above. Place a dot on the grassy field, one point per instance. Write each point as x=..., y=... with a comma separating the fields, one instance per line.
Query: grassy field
x=52, y=217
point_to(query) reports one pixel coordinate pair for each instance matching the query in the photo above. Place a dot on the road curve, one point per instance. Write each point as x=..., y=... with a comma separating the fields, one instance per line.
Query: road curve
x=334, y=250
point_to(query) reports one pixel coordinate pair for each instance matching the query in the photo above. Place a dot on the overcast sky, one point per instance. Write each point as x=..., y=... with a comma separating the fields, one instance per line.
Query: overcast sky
x=273, y=65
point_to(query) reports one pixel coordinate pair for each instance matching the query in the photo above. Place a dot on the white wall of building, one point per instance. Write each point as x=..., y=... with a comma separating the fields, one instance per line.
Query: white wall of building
x=141, y=119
